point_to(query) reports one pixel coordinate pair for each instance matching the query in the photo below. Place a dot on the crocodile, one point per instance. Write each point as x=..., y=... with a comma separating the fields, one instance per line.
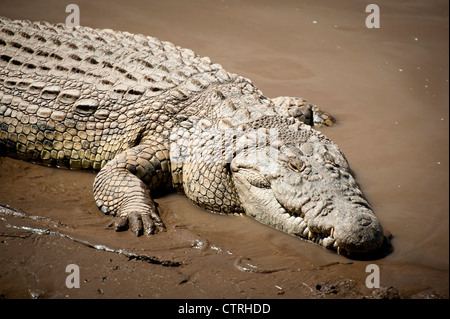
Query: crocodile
x=150, y=116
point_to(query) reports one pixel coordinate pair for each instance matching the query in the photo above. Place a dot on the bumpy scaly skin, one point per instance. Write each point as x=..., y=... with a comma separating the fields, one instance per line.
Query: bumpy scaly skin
x=150, y=115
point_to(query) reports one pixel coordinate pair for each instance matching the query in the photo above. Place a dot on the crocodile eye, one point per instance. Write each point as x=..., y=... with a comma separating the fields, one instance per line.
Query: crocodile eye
x=296, y=165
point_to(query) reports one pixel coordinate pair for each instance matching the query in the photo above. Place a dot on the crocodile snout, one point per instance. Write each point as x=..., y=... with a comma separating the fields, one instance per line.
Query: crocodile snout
x=360, y=232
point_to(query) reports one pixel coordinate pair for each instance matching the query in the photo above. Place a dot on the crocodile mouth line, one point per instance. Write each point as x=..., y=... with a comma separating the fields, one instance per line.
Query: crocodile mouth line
x=324, y=238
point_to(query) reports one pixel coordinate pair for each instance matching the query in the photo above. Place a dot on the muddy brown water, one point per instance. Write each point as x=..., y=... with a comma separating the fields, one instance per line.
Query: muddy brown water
x=388, y=89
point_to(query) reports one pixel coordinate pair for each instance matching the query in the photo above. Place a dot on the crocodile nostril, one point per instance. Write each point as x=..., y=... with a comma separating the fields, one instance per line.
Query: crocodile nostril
x=365, y=222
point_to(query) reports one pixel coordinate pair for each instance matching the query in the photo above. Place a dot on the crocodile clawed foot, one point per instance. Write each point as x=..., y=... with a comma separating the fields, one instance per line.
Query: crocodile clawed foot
x=321, y=118
x=140, y=223
x=303, y=111
x=310, y=113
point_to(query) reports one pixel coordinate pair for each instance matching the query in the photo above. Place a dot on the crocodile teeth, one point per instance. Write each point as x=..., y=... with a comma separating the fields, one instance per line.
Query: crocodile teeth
x=303, y=225
x=305, y=232
x=332, y=232
x=328, y=242
x=310, y=235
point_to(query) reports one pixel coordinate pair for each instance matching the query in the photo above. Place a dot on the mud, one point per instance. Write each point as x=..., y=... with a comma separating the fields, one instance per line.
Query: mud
x=388, y=89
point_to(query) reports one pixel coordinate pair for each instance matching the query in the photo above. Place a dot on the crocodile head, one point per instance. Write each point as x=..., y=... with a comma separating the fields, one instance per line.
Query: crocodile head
x=298, y=181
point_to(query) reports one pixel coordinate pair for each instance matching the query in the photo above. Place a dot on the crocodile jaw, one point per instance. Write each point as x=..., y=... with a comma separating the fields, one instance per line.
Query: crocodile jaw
x=354, y=230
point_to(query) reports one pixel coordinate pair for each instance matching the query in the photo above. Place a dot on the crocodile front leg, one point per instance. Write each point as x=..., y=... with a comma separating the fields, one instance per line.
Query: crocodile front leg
x=303, y=111
x=123, y=188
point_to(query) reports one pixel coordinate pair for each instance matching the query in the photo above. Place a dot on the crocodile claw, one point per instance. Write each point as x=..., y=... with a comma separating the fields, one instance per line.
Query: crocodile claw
x=139, y=223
